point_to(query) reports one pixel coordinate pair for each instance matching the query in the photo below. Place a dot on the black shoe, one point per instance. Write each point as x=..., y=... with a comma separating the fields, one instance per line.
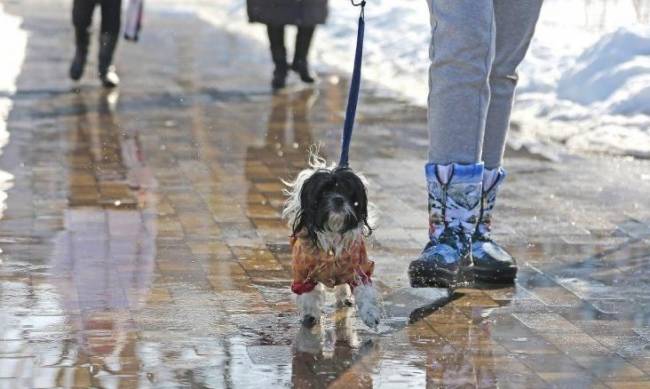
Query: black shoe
x=303, y=42
x=302, y=68
x=78, y=65
x=279, y=77
x=107, y=74
x=82, y=39
x=279, y=56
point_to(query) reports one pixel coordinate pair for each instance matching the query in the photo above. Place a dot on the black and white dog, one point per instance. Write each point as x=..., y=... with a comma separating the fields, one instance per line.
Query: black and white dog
x=327, y=211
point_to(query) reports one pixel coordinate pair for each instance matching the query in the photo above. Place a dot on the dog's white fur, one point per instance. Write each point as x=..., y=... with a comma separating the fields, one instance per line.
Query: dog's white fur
x=366, y=297
x=343, y=295
x=311, y=303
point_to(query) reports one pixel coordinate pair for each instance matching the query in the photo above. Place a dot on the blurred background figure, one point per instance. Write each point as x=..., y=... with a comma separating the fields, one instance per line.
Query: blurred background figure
x=82, y=14
x=276, y=14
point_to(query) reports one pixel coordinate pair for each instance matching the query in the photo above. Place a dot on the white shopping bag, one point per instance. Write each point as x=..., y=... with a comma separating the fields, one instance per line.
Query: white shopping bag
x=133, y=21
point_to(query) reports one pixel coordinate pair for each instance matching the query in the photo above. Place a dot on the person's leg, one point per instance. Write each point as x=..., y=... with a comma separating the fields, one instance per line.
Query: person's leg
x=111, y=16
x=110, y=32
x=279, y=55
x=303, y=42
x=82, y=14
x=461, y=54
x=462, y=51
x=515, y=23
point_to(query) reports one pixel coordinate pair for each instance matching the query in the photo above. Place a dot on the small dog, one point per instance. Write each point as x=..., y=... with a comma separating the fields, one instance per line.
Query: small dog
x=327, y=210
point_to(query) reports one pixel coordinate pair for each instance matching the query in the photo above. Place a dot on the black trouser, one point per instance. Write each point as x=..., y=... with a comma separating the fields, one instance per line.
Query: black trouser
x=303, y=41
x=82, y=15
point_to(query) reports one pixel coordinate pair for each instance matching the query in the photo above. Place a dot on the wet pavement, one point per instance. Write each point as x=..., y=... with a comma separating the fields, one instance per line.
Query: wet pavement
x=142, y=244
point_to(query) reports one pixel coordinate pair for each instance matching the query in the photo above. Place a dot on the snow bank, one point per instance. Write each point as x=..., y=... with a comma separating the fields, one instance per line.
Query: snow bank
x=12, y=47
x=586, y=80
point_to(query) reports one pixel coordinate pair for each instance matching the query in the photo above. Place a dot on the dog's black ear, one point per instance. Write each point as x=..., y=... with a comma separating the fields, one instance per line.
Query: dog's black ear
x=360, y=196
x=311, y=190
x=358, y=190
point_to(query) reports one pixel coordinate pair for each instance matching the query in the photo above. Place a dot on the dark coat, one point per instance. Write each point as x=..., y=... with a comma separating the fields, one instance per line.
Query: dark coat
x=282, y=12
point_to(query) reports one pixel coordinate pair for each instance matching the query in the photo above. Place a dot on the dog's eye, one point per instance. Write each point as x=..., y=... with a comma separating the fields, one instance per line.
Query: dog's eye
x=356, y=203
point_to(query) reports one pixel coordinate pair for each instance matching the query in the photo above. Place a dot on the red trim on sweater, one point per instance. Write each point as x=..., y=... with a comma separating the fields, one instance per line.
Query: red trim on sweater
x=303, y=287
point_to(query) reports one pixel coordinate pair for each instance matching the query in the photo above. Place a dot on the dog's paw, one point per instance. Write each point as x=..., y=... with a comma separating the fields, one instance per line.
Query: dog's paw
x=310, y=320
x=343, y=296
x=367, y=300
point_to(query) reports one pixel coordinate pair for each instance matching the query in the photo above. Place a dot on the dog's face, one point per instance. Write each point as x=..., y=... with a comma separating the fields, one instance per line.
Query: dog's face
x=332, y=201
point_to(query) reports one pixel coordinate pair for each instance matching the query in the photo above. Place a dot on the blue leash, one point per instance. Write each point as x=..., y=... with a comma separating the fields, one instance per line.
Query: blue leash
x=355, y=84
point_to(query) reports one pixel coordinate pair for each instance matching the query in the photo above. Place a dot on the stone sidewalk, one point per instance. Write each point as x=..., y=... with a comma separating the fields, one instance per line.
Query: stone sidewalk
x=142, y=244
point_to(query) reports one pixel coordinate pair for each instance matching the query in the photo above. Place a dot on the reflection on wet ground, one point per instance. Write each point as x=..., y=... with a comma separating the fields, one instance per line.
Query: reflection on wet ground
x=142, y=244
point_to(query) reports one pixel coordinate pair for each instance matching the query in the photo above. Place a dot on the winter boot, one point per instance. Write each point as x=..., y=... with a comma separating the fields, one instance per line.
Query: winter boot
x=492, y=263
x=107, y=74
x=82, y=39
x=300, y=64
x=279, y=56
x=454, y=206
x=279, y=80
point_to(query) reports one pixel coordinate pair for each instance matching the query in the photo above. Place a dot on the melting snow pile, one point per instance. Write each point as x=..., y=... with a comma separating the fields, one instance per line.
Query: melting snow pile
x=12, y=47
x=586, y=81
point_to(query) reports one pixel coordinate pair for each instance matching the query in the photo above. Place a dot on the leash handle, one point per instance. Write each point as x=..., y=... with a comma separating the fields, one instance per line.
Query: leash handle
x=355, y=84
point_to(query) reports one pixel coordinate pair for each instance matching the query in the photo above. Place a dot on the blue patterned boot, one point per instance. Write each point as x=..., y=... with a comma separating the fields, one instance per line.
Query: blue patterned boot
x=454, y=206
x=492, y=263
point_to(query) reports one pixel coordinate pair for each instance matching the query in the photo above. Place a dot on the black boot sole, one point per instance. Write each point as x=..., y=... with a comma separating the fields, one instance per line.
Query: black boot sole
x=491, y=276
x=423, y=275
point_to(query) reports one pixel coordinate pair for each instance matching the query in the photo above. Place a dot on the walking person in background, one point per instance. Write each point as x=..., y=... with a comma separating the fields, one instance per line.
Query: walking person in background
x=82, y=13
x=475, y=49
x=276, y=14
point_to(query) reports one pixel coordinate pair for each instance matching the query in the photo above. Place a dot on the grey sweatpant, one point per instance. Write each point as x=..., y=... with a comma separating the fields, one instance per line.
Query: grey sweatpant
x=476, y=47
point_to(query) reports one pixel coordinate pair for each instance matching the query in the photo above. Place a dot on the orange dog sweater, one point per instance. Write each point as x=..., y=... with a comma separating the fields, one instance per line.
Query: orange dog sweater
x=312, y=265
